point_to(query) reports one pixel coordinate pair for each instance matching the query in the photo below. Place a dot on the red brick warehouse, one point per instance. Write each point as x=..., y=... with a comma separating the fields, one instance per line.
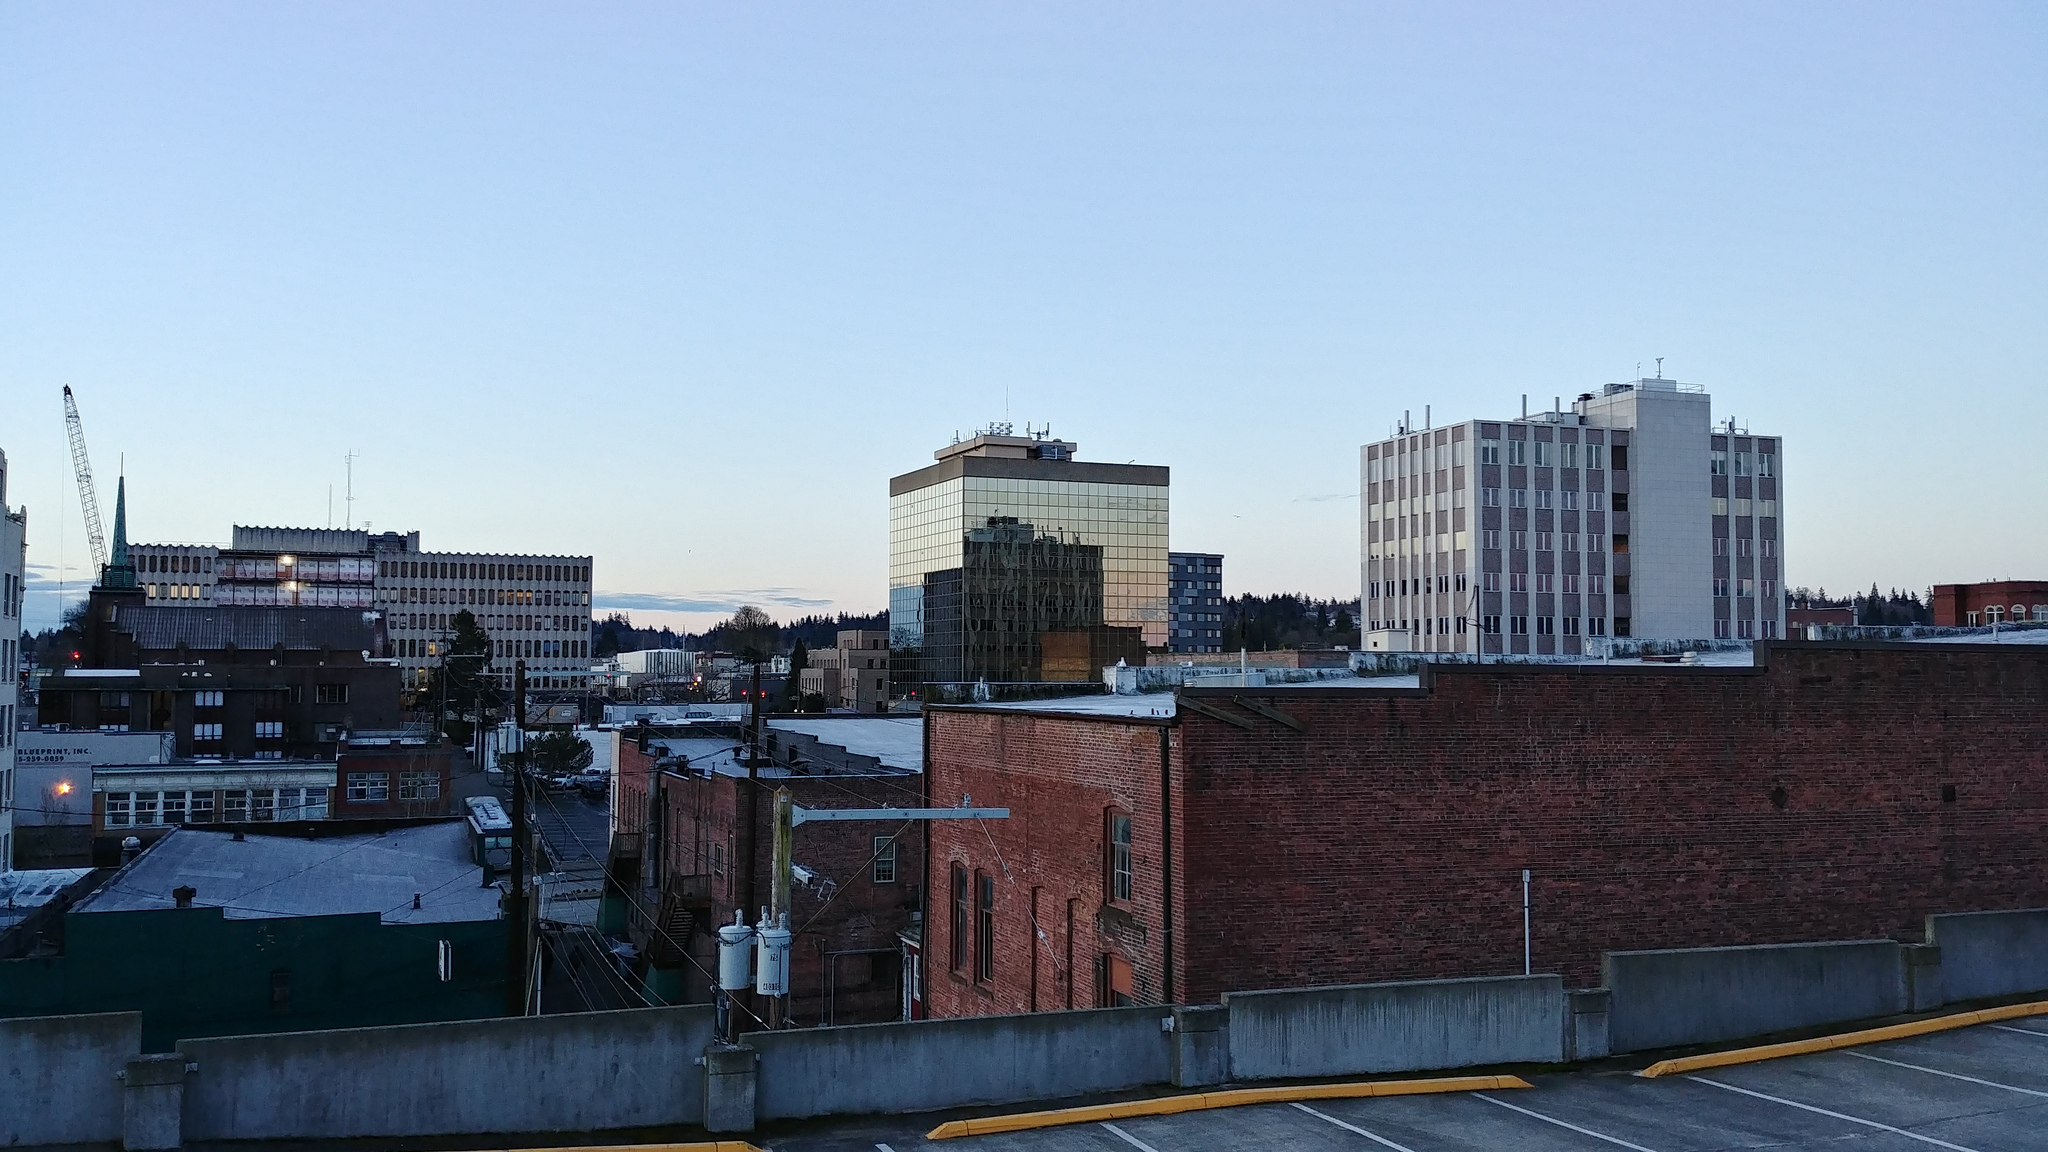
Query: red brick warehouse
x=1280, y=837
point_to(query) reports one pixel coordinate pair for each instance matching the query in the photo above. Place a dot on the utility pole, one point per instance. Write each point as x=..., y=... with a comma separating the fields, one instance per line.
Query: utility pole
x=515, y=906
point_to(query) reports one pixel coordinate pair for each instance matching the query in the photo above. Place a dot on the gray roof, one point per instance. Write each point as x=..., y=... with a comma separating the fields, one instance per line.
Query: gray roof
x=267, y=876
x=344, y=629
x=895, y=741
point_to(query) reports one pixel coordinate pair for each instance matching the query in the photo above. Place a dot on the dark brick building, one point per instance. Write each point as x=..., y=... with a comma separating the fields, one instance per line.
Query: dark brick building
x=1296, y=836
x=696, y=824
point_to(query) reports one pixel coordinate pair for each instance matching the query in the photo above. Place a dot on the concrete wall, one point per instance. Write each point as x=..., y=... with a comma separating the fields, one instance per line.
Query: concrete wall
x=1409, y=1026
x=57, y=1077
x=577, y=1073
x=1991, y=953
x=1703, y=995
x=922, y=1065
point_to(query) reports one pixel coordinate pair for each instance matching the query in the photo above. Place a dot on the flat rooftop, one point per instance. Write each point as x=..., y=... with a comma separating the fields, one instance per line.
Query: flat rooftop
x=269, y=876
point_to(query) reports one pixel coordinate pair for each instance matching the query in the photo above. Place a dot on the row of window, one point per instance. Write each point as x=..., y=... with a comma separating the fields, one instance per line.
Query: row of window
x=1744, y=506
x=375, y=787
x=1553, y=541
x=974, y=901
x=1544, y=454
x=1996, y=614
x=1549, y=625
x=466, y=570
x=1568, y=583
x=237, y=805
x=1565, y=499
x=1744, y=546
x=1766, y=463
x=1746, y=630
x=322, y=693
x=1743, y=587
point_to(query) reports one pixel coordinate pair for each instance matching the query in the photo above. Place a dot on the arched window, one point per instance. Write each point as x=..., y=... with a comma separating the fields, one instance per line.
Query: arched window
x=2041, y=613
x=1993, y=613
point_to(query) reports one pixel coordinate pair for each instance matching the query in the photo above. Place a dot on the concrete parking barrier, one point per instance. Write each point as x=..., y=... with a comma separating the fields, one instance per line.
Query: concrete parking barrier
x=1405, y=1026
x=1667, y=998
x=1987, y=954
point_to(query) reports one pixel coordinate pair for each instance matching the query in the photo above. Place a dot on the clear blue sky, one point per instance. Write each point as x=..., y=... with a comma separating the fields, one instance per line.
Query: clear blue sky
x=682, y=286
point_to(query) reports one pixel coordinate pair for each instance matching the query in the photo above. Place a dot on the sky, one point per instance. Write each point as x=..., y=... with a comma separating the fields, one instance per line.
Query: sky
x=681, y=286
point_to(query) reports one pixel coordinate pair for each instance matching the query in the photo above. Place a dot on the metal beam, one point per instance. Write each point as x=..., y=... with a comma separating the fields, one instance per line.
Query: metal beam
x=1215, y=713
x=1269, y=712
x=812, y=815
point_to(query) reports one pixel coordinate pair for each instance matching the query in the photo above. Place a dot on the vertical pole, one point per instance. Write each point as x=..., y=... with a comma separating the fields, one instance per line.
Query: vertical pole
x=1525, y=921
x=515, y=968
x=778, y=911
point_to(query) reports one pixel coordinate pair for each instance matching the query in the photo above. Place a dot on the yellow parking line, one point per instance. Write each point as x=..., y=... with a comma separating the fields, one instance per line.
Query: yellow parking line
x=693, y=1146
x=1228, y=1098
x=1844, y=1040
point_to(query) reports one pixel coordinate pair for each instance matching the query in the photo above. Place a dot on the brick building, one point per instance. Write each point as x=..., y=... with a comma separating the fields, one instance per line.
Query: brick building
x=1295, y=836
x=696, y=825
x=1990, y=602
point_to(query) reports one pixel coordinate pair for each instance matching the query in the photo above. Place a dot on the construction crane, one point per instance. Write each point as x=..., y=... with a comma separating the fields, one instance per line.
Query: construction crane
x=86, y=495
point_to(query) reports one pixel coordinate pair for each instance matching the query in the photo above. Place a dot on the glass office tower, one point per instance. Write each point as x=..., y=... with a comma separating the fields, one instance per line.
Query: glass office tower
x=1011, y=563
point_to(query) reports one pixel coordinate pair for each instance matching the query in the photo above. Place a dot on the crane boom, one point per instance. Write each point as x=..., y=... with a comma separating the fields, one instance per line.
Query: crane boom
x=86, y=495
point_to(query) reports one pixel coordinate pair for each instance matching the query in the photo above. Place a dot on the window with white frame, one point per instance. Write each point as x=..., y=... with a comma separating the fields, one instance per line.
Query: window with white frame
x=369, y=787
x=419, y=786
x=120, y=809
x=207, y=699
x=235, y=805
x=1489, y=451
x=270, y=729
x=885, y=860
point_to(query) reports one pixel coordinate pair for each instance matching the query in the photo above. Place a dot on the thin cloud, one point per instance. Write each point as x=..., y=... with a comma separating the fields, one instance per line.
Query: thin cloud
x=708, y=602
x=1324, y=498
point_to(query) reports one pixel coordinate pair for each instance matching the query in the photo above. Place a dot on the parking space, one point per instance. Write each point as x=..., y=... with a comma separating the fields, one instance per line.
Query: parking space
x=1982, y=1089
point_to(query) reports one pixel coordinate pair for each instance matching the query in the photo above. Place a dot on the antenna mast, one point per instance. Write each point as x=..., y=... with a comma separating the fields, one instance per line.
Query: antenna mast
x=82, y=467
x=350, y=499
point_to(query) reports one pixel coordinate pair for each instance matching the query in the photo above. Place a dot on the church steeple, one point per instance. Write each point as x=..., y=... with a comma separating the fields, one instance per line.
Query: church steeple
x=120, y=571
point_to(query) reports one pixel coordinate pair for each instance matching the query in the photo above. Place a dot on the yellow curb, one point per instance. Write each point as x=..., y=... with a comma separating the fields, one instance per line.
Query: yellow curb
x=1844, y=1040
x=1229, y=1098
x=694, y=1146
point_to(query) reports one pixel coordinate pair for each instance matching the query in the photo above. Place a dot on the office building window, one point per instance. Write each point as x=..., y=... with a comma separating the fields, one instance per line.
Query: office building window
x=1518, y=497
x=1518, y=452
x=1542, y=454
x=207, y=699
x=1489, y=538
x=1596, y=584
x=235, y=805
x=1490, y=625
x=206, y=733
x=270, y=729
x=1717, y=463
x=1518, y=625
x=1489, y=581
x=1596, y=456
x=1766, y=464
x=1546, y=626
x=333, y=694
x=1571, y=625
x=419, y=786
x=1720, y=586
x=1518, y=581
x=1595, y=626
x=884, y=869
x=1489, y=497
x=1521, y=541
x=1489, y=451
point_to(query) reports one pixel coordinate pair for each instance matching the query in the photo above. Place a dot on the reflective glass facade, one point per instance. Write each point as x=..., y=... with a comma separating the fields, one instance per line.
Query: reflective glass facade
x=1021, y=579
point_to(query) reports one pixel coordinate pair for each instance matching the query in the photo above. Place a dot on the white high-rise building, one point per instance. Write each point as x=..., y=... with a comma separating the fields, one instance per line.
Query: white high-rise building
x=13, y=573
x=1630, y=514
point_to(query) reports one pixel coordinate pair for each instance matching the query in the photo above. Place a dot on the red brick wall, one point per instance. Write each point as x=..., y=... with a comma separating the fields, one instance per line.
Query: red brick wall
x=1953, y=603
x=1059, y=777
x=1656, y=807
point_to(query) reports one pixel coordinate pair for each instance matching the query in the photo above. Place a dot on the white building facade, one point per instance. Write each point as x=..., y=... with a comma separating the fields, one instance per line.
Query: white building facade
x=13, y=583
x=1628, y=515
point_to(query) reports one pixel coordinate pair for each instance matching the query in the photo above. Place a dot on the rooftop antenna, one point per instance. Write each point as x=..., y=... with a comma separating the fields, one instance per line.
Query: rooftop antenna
x=349, y=461
x=1660, y=367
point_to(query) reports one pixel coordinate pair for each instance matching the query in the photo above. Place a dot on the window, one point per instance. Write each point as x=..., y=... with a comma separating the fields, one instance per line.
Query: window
x=1766, y=464
x=419, y=785
x=1741, y=506
x=1720, y=506
x=1518, y=625
x=206, y=733
x=1596, y=584
x=1518, y=452
x=1720, y=586
x=1544, y=542
x=1568, y=542
x=270, y=729
x=1489, y=582
x=262, y=804
x=1717, y=463
x=1116, y=981
x=1490, y=625
x=1543, y=497
x=1620, y=544
x=1546, y=626
x=1542, y=454
x=1568, y=500
x=1568, y=455
x=120, y=809
x=1621, y=585
x=1489, y=538
x=1489, y=451
x=1571, y=583
x=333, y=694
x=368, y=787
x=1543, y=582
x=173, y=809
x=1518, y=497
x=1720, y=546
x=206, y=699
x=883, y=859
x=984, y=926
x=1596, y=456
x=1489, y=497
x=1119, y=885
x=1742, y=463
x=1571, y=625
x=1518, y=581
x=1767, y=507
x=959, y=917
x=235, y=805
x=199, y=807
